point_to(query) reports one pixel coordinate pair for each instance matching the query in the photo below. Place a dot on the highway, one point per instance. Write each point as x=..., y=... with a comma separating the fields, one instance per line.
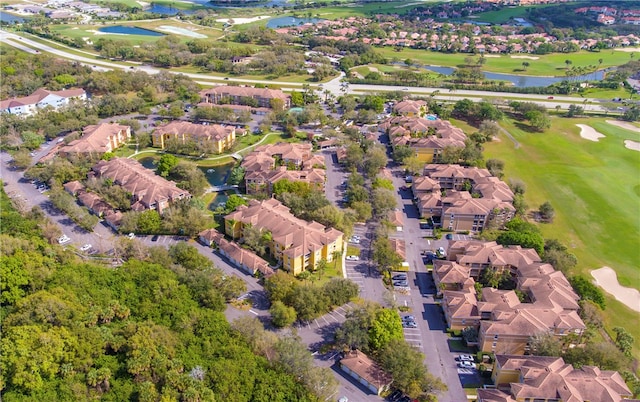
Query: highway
x=334, y=86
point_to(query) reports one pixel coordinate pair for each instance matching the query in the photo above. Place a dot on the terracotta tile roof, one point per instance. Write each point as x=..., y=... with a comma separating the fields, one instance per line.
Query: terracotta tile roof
x=399, y=246
x=73, y=187
x=146, y=187
x=461, y=304
x=395, y=217
x=298, y=237
x=366, y=368
x=210, y=132
x=410, y=106
x=250, y=92
x=244, y=258
x=94, y=202
x=99, y=138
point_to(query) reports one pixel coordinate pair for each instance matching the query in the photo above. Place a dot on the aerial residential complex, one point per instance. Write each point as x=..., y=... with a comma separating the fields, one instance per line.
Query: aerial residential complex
x=428, y=137
x=542, y=378
x=505, y=323
x=98, y=139
x=268, y=164
x=297, y=244
x=219, y=138
x=462, y=198
x=41, y=98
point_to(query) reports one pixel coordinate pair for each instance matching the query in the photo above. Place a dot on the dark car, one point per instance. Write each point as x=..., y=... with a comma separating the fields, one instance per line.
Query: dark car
x=449, y=236
x=155, y=238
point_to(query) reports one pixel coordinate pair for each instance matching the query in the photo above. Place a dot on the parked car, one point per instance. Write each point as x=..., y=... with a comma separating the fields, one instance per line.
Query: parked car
x=354, y=241
x=353, y=258
x=466, y=358
x=449, y=236
x=63, y=239
x=131, y=235
x=441, y=253
x=407, y=318
x=403, y=284
x=410, y=324
x=155, y=238
x=86, y=247
x=399, y=277
x=467, y=365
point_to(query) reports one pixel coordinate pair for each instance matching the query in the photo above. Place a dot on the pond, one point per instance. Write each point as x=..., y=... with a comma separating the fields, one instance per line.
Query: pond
x=290, y=21
x=522, y=81
x=220, y=199
x=10, y=18
x=149, y=162
x=129, y=30
x=217, y=175
x=167, y=10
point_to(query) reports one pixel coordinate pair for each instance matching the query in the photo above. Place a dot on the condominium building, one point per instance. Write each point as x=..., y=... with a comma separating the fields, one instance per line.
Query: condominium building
x=148, y=190
x=411, y=108
x=297, y=244
x=219, y=138
x=542, y=378
x=98, y=139
x=243, y=95
x=41, y=98
x=427, y=137
x=505, y=322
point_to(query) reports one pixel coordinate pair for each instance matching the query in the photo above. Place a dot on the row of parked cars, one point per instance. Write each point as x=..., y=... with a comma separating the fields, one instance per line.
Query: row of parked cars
x=466, y=361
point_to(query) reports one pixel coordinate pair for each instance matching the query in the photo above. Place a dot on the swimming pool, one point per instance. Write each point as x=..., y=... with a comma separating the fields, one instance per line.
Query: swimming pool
x=431, y=117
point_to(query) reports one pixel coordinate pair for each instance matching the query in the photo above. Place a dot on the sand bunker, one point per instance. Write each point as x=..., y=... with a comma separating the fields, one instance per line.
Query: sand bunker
x=238, y=21
x=525, y=57
x=628, y=49
x=589, y=133
x=634, y=145
x=624, y=124
x=180, y=31
x=608, y=280
x=493, y=56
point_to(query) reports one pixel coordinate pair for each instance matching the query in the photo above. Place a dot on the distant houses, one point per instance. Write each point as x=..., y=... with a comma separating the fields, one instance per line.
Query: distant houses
x=243, y=95
x=41, y=98
x=215, y=136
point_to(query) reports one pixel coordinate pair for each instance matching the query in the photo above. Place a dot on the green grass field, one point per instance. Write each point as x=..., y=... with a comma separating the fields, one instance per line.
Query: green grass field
x=594, y=188
x=504, y=14
x=544, y=65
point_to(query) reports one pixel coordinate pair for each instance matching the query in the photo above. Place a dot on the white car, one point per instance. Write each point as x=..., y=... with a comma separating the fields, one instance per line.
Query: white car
x=465, y=358
x=86, y=247
x=131, y=235
x=353, y=258
x=63, y=239
x=467, y=365
x=354, y=241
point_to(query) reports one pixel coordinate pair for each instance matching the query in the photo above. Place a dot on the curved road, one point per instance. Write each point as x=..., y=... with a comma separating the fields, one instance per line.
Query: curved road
x=334, y=86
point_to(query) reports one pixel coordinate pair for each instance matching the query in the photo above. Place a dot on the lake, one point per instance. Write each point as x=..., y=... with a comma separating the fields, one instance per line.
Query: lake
x=128, y=30
x=290, y=21
x=10, y=18
x=521, y=81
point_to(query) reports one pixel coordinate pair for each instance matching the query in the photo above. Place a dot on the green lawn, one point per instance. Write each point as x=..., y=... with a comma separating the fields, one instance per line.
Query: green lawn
x=544, y=65
x=594, y=188
x=504, y=14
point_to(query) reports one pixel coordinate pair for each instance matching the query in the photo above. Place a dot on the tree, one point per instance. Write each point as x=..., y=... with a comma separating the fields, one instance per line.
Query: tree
x=281, y=315
x=574, y=110
x=405, y=364
x=545, y=344
x=189, y=257
x=546, y=211
x=525, y=64
x=386, y=326
x=383, y=201
x=256, y=239
x=149, y=222
x=538, y=120
x=383, y=255
x=340, y=290
x=374, y=160
x=21, y=159
x=165, y=164
x=587, y=290
x=495, y=167
x=624, y=340
x=280, y=286
x=234, y=201
x=568, y=63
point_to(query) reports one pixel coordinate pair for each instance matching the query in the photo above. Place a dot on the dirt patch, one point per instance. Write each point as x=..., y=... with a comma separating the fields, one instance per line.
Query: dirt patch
x=238, y=21
x=525, y=57
x=634, y=145
x=628, y=49
x=607, y=279
x=624, y=124
x=589, y=133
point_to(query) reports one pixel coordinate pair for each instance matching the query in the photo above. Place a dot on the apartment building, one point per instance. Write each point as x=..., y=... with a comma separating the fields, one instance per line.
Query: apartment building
x=96, y=140
x=505, y=323
x=219, y=138
x=269, y=164
x=297, y=244
x=427, y=137
x=243, y=95
x=411, y=108
x=41, y=98
x=462, y=198
x=542, y=378
x=148, y=190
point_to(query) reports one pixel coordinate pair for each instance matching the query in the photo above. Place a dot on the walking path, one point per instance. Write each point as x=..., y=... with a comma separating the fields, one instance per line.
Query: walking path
x=508, y=134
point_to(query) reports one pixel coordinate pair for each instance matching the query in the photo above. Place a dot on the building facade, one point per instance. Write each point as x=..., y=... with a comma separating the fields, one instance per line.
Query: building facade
x=216, y=137
x=98, y=139
x=41, y=98
x=241, y=95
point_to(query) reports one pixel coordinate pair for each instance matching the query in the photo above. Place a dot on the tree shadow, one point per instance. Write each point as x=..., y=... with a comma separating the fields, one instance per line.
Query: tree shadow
x=525, y=127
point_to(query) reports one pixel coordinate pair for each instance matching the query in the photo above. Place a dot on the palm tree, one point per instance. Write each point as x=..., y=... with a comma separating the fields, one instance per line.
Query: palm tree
x=525, y=64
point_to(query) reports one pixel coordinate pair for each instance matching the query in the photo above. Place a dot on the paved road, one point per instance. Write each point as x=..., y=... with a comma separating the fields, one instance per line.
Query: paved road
x=334, y=85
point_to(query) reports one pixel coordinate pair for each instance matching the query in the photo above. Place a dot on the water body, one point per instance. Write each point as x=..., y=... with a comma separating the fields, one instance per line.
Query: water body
x=217, y=175
x=290, y=21
x=220, y=199
x=10, y=18
x=149, y=162
x=127, y=30
x=522, y=81
x=167, y=10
